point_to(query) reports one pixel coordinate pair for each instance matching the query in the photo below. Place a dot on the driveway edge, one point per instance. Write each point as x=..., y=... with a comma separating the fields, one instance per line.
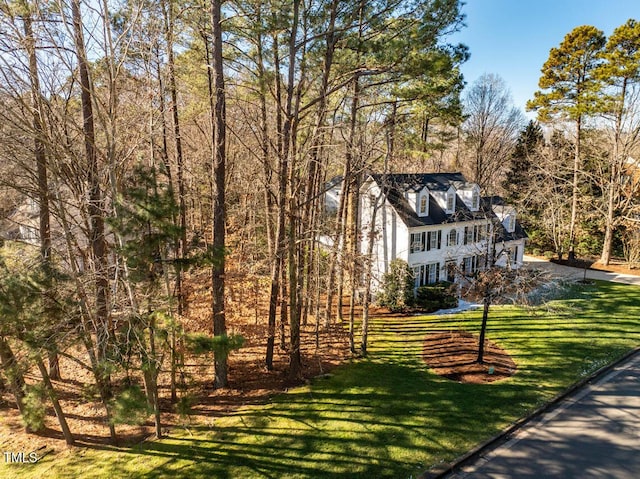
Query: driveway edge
x=441, y=470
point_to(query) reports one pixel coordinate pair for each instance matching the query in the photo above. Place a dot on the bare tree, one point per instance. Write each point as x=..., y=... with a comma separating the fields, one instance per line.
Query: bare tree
x=490, y=130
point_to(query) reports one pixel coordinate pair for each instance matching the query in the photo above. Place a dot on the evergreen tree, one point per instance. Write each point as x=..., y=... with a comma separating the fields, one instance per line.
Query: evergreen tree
x=570, y=91
x=522, y=161
x=145, y=213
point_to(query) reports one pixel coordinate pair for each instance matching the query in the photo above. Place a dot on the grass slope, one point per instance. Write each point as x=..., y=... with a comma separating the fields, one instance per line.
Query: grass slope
x=387, y=415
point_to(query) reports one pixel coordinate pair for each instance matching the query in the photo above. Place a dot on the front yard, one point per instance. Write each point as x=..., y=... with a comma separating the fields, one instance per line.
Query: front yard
x=387, y=415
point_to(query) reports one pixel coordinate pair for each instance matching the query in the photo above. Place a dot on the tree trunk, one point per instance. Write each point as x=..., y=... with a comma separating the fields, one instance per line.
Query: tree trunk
x=317, y=166
x=96, y=239
x=264, y=142
x=288, y=137
x=219, y=216
x=615, y=183
x=483, y=328
x=336, y=260
x=182, y=241
x=103, y=328
x=575, y=192
x=88, y=320
x=43, y=184
x=295, y=358
x=279, y=246
x=391, y=133
x=66, y=432
x=607, y=243
x=13, y=373
x=366, y=300
x=284, y=305
x=154, y=369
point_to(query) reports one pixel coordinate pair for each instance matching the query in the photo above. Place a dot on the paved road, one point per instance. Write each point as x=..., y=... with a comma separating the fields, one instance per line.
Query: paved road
x=593, y=434
x=579, y=273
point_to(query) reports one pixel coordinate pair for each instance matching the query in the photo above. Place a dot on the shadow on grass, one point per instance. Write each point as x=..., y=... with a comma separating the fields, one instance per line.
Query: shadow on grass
x=338, y=427
x=386, y=415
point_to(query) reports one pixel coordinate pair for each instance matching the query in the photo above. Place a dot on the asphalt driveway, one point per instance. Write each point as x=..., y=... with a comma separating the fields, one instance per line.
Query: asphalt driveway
x=593, y=433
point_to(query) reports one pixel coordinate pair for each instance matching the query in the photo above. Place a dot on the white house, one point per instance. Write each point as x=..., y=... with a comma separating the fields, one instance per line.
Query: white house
x=332, y=192
x=439, y=224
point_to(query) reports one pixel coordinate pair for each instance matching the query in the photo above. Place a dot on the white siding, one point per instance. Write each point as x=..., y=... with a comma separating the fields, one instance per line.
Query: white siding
x=391, y=235
x=505, y=253
x=392, y=238
x=448, y=252
x=467, y=196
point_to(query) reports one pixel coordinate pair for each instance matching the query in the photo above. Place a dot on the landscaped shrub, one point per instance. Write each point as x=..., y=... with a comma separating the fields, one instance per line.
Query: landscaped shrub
x=397, y=286
x=435, y=296
x=398, y=292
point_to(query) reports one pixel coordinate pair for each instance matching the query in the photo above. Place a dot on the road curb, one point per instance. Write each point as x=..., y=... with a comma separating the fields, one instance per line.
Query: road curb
x=442, y=470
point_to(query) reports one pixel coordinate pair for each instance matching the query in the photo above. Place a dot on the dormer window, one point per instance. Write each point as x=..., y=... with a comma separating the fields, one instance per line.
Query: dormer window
x=475, y=200
x=451, y=202
x=511, y=223
x=423, y=207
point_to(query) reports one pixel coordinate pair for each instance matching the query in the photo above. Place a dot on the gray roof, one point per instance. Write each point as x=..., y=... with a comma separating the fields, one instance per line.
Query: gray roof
x=396, y=185
x=487, y=203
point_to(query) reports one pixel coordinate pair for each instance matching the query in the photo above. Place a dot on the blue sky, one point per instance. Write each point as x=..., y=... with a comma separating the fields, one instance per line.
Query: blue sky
x=512, y=38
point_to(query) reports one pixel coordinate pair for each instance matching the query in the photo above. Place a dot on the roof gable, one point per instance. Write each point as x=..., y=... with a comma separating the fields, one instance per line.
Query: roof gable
x=397, y=187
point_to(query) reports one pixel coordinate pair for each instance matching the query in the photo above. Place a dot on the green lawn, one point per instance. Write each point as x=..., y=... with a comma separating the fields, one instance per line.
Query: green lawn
x=386, y=416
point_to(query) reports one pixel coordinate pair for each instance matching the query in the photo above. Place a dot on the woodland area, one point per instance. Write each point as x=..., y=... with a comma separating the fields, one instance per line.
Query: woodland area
x=152, y=153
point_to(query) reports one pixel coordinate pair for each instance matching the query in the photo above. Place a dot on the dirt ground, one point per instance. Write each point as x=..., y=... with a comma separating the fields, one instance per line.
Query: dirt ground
x=249, y=381
x=617, y=266
x=453, y=354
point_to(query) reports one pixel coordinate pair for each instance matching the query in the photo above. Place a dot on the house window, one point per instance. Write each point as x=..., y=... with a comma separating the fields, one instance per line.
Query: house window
x=481, y=233
x=450, y=267
x=478, y=233
x=452, y=239
x=475, y=199
x=433, y=240
x=417, y=242
x=481, y=262
x=450, y=202
x=426, y=274
x=417, y=276
x=470, y=264
x=468, y=234
x=513, y=256
x=466, y=264
x=424, y=204
x=511, y=223
x=433, y=273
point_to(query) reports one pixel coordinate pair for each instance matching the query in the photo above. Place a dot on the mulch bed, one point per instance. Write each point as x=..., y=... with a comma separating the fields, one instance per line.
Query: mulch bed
x=453, y=354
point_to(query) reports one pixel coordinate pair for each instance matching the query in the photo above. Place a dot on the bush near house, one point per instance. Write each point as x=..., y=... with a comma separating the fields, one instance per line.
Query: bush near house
x=398, y=292
x=434, y=297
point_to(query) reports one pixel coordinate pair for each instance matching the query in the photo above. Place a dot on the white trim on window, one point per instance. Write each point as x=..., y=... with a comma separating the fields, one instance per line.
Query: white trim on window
x=475, y=199
x=416, y=242
x=423, y=205
x=426, y=274
x=451, y=202
x=452, y=238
